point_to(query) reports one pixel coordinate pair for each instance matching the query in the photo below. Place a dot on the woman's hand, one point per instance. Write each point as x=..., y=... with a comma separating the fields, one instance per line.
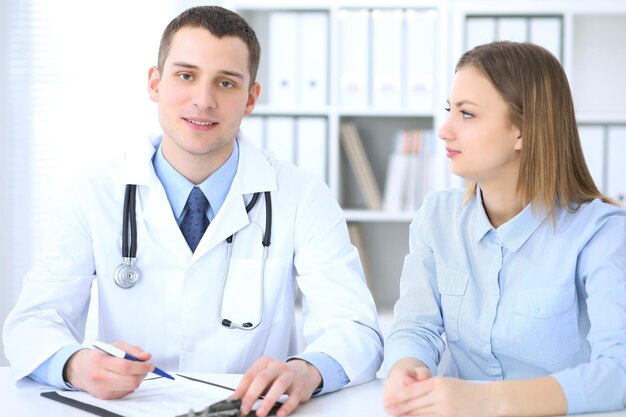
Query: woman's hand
x=411, y=391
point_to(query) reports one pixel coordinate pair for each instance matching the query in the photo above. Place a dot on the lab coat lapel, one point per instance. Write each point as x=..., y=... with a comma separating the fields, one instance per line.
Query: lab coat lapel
x=254, y=174
x=152, y=204
x=231, y=218
x=255, y=171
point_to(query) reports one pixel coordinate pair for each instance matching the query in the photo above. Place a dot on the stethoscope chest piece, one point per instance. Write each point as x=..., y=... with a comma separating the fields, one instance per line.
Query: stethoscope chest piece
x=126, y=274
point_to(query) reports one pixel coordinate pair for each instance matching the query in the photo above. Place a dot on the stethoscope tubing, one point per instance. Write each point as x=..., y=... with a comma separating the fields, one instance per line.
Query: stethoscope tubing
x=267, y=236
x=129, y=252
x=129, y=222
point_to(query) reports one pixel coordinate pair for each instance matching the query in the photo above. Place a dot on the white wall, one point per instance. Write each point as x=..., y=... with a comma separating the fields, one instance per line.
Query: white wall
x=93, y=100
x=7, y=281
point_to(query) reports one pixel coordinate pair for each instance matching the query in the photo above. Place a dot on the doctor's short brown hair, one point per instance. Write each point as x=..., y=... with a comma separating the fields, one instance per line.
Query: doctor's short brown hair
x=220, y=22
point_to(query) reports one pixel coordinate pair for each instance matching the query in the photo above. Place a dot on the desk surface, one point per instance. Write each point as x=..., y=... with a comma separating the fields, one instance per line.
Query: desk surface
x=362, y=401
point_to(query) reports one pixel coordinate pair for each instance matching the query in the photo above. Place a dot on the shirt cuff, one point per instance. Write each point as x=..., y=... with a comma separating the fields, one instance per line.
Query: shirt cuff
x=51, y=371
x=574, y=392
x=396, y=349
x=333, y=376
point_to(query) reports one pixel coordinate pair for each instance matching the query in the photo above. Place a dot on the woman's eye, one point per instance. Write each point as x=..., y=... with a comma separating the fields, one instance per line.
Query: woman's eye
x=466, y=115
x=447, y=108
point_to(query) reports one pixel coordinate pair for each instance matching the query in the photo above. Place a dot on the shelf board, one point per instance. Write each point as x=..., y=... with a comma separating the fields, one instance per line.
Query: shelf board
x=332, y=4
x=385, y=113
x=269, y=110
x=371, y=216
x=601, y=118
x=272, y=5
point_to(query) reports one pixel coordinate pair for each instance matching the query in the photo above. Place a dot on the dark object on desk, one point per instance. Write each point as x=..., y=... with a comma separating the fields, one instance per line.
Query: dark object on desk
x=53, y=395
x=225, y=403
x=226, y=408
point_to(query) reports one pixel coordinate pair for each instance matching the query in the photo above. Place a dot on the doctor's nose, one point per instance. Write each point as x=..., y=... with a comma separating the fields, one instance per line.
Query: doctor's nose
x=204, y=97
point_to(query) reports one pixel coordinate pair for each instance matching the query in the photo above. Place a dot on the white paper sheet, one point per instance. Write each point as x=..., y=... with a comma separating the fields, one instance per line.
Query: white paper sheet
x=159, y=397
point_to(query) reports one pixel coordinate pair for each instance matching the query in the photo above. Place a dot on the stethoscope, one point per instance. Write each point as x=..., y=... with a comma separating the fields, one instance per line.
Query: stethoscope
x=126, y=274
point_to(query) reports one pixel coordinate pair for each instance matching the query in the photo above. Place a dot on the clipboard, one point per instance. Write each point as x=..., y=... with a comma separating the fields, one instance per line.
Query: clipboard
x=53, y=395
x=155, y=397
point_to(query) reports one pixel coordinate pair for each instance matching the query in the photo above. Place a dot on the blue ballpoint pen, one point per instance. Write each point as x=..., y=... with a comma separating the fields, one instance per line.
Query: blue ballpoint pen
x=119, y=353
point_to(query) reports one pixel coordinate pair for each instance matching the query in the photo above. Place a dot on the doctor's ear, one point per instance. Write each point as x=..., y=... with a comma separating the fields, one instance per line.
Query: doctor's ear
x=253, y=97
x=153, y=84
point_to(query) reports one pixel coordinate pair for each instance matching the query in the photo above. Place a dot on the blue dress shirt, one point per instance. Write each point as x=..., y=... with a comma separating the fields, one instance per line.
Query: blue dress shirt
x=528, y=299
x=177, y=189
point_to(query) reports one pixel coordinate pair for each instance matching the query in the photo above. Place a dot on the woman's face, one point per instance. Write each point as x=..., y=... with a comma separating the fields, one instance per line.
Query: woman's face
x=481, y=142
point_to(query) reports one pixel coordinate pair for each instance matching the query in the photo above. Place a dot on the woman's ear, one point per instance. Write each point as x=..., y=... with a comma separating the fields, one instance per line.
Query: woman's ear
x=518, y=141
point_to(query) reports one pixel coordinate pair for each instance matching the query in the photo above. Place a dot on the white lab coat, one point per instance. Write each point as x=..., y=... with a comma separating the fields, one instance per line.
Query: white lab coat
x=172, y=310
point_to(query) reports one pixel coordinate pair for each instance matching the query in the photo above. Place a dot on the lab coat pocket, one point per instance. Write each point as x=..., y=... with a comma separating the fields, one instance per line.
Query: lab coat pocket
x=255, y=293
x=546, y=324
x=452, y=285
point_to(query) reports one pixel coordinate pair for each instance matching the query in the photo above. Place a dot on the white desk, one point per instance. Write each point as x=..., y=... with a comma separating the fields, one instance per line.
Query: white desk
x=361, y=401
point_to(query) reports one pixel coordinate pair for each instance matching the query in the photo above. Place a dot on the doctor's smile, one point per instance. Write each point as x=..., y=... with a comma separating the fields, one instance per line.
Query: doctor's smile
x=199, y=124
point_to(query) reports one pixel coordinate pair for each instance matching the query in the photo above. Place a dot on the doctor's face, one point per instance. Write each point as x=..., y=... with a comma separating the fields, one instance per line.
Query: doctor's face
x=203, y=93
x=481, y=142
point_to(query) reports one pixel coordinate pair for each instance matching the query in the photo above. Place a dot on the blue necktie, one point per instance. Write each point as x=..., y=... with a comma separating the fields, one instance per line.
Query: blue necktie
x=195, y=221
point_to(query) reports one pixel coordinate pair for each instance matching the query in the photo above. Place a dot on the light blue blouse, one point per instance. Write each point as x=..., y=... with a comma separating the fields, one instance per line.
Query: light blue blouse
x=527, y=299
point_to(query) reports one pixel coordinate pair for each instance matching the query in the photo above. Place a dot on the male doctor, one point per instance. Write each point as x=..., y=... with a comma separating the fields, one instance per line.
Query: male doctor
x=176, y=315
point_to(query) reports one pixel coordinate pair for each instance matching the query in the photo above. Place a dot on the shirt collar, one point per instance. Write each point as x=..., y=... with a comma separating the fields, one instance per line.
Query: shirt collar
x=482, y=226
x=177, y=187
x=514, y=233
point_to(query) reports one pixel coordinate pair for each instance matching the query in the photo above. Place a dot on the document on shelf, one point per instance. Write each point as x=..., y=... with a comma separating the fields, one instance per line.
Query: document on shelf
x=512, y=29
x=283, y=27
x=387, y=62
x=546, y=31
x=312, y=145
x=312, y=59
x=594, y=150
x=420, y=53
x=479, y=30
x=616, y=169
x=155, y=397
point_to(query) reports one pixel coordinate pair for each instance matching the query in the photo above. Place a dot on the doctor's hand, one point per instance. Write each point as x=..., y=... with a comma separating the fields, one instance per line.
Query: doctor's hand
x=410, y=391
x=105, y=376
x=273, y=378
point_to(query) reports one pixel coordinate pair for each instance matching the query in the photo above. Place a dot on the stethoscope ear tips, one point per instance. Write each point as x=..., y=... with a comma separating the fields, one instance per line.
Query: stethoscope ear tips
x=245, y=326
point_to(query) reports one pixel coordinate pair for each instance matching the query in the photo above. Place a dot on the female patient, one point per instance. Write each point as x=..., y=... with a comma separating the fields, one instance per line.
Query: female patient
x=525, y=270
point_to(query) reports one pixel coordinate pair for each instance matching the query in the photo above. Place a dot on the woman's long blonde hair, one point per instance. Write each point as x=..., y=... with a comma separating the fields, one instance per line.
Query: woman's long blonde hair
x=552, y=171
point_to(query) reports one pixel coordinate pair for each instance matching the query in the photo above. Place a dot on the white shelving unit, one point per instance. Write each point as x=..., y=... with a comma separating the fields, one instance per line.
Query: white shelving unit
x=384, y=233
x=591, y=41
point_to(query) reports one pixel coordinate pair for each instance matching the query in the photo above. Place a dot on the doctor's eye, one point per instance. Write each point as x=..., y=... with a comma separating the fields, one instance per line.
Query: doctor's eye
x=226, y=84
x=184, y=76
